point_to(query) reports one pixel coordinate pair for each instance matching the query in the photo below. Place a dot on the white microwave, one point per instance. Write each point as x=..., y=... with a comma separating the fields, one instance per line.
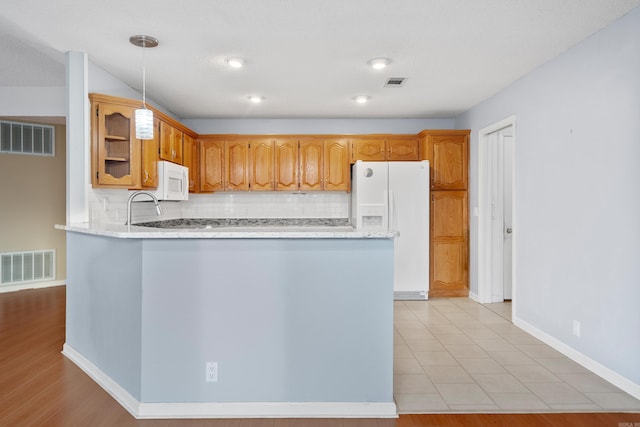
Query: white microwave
x=173, y=181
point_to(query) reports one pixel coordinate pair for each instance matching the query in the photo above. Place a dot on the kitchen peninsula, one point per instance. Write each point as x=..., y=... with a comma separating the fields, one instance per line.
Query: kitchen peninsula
x=298, y=320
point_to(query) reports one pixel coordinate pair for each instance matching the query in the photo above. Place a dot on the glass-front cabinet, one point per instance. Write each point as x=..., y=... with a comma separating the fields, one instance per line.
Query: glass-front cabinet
x=118, y=152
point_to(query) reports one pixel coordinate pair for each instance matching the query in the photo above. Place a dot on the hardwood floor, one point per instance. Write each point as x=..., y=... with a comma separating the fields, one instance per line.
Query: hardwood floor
x=40, y=387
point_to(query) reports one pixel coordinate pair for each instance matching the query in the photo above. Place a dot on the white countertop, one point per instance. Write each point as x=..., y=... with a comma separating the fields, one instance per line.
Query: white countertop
x=258, y=232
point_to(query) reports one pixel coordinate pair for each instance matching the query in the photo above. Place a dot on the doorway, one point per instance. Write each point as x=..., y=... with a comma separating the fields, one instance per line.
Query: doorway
x=496, y=230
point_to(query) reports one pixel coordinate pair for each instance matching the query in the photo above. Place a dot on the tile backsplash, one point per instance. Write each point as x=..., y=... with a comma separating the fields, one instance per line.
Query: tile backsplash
x=110, y=206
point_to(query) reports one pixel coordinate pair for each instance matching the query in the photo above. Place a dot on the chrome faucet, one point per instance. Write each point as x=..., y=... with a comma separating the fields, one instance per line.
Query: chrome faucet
x=133, y=196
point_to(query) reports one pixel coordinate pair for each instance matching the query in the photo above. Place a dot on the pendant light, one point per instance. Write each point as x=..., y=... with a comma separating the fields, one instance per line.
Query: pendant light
x=144, y=116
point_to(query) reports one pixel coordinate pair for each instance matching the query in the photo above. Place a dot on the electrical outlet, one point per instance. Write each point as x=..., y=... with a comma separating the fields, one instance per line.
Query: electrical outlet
x=212, y=372
x=576, y=328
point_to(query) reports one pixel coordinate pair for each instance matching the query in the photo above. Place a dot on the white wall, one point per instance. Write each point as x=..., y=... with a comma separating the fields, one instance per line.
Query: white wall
x=101, y=81
x=577, y=195
x=33, y=101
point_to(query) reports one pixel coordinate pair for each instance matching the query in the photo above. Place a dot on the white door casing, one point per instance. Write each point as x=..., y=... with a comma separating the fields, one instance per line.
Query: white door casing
x=495, y=212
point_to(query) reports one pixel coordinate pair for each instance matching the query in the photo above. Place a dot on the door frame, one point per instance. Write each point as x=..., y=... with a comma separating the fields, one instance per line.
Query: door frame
x=484, y=213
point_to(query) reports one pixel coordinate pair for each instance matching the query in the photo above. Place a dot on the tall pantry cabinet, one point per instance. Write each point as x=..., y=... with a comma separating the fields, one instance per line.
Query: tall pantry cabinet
x=448, y=155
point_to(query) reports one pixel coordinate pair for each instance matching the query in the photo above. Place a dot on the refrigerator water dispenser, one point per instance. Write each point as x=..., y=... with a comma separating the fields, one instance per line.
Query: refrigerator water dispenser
x=372, y=217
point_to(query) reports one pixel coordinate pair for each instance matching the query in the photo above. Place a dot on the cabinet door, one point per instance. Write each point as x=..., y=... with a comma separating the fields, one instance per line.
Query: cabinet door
x=402, y=149
x=449, y=244
x=336, y=165
x=170, y=143
x=368, y=150
x=211, y=165
x=261, y=156
x=236, y=166
x=118, y=152
x=449, y=161
x=286, y=164
x=311, y=164
x=191, y=157
x=150, y=149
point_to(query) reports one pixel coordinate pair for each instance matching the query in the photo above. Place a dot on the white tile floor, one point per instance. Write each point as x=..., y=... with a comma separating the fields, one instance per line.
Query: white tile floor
x=455, y=355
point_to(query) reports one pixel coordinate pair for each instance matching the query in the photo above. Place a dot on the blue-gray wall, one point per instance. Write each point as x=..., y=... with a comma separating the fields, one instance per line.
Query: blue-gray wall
x=577, y=194
x=104, y=297
x=287, y=320
x=315, y=126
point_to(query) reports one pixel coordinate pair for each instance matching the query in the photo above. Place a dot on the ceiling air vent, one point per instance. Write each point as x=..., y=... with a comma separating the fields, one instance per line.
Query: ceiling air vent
x=395, y=81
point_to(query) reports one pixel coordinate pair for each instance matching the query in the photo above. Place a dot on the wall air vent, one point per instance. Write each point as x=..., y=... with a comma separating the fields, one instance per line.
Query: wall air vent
x=33, y=266
x=24, y=138
x=395, y=81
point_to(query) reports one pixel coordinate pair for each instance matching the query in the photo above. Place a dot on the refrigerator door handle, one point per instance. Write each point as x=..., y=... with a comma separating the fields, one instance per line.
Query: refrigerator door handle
x=392, y=212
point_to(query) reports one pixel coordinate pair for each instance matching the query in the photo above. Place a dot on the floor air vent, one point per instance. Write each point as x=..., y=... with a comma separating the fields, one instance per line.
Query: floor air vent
x=395, y=81
x=21, y=267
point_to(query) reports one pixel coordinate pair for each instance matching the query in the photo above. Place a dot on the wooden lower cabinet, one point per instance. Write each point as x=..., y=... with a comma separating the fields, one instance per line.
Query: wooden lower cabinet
x=449, y=252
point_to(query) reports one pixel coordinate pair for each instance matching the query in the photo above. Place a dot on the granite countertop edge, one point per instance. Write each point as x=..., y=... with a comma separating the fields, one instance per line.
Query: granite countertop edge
x=255, y=232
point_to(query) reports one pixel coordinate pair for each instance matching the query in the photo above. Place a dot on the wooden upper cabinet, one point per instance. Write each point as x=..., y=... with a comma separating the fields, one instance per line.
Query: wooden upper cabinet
x=368, y=150
x=311, y=164
x=170, y=143
x=261, y=160
x=212, y=165
x=236, y=166
x=118, y=159
x=449, y=244
x=116, y=150
x=150, y=149
x=286, y=164
x=403, y=149
x=385, y=148
x=337, y=175
x=191, y=159
x=448, y=153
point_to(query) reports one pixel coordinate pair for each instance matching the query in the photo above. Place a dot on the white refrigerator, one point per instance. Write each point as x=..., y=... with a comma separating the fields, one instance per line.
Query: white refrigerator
x=394, y=196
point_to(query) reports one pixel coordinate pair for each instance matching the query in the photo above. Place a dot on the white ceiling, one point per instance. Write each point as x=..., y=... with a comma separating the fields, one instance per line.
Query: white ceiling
x=306, y=57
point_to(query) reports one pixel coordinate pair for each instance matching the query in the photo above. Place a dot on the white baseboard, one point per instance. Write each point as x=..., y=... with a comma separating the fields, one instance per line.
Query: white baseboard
x=121, y=396
x=268, y=410
x=31, y=285
x=229, y=409
x=597, y=368
x=474, y=296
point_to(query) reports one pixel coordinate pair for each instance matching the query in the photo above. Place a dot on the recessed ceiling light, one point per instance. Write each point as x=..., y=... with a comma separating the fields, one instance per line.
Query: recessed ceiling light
x=235, y=62
x=362, y=99
x=256, y=99
x=379, y=63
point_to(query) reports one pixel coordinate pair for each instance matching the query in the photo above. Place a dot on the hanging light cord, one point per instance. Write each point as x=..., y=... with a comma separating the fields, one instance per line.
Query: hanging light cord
x=144, y=78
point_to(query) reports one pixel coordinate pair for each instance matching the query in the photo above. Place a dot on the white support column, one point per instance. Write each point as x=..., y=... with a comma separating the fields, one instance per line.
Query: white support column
x=78, y=179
